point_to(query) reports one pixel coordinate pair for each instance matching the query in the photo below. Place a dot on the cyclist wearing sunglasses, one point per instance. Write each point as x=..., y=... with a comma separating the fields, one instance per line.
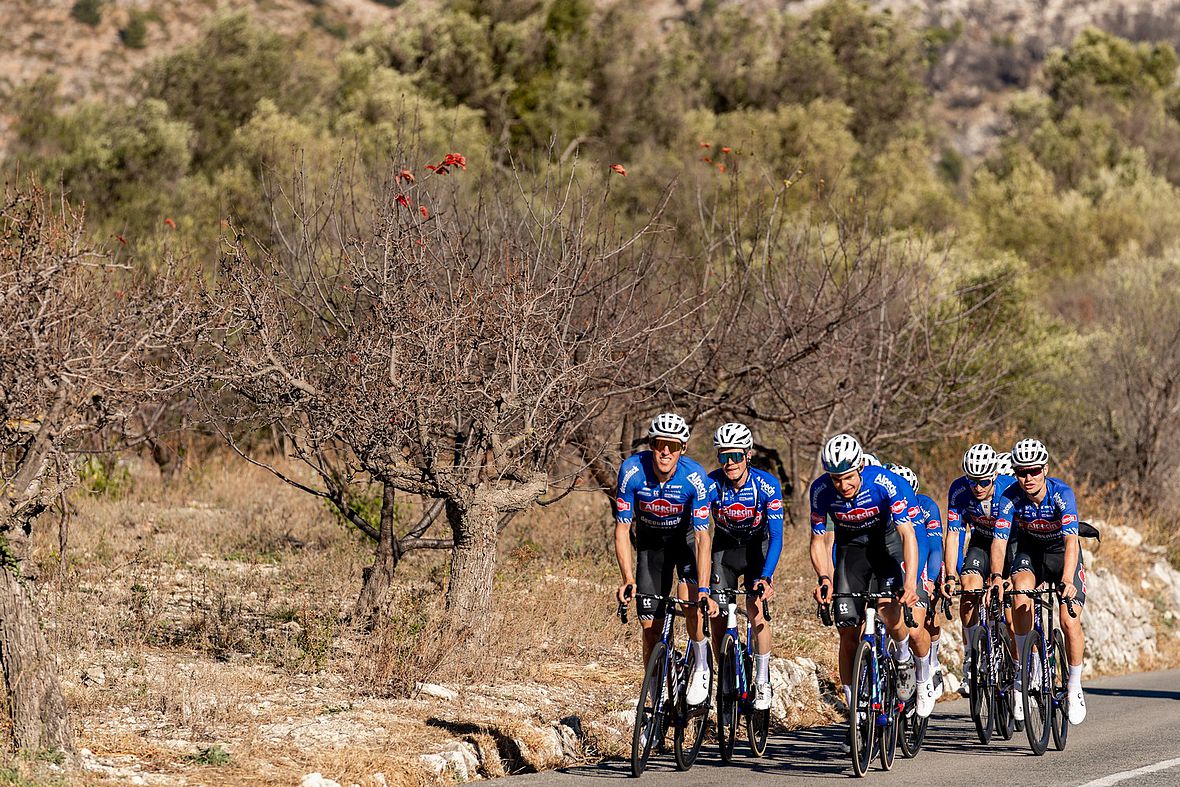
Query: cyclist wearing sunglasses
x=747, y=505
x=975, y=510
x=1045, y=514
x=661, y=524
x=871, y=510
x=928, y=529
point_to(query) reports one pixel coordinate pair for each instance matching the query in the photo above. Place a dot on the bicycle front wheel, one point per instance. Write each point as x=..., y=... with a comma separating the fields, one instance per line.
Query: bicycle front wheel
x=862, y=718
x=650, y=709
x=693, y=722
x=982, y=689
x=912, y=731
x=1005, y=673
x=728, y=684
x=889, y=707
x=1060, y=673
x=1038, y=697
x=757, y=721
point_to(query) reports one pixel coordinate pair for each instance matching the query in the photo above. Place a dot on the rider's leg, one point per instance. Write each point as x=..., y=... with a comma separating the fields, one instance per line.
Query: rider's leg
x=849, y=640
x=650, y=633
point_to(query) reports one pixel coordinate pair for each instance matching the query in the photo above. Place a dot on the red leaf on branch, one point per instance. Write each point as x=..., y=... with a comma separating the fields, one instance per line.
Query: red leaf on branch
x=121, y=239
x=425, y=213
x=405, y=175
x=706, y=145
x=726, y=150
x=170, y=222
x=618, y=169
x=403, y=200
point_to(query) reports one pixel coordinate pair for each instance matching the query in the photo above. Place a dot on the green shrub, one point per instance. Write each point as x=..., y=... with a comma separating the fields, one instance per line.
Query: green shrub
x=88, y=12
x=134, y=36
x=104, y=477
x=210, y=755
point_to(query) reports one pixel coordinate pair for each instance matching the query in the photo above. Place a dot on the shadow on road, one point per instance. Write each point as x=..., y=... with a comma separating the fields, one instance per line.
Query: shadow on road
x=1154, y=694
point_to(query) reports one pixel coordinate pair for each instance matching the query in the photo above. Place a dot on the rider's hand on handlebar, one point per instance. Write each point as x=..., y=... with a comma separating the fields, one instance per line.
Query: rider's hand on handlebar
x=710, y=604
x=766, y=588
x=997, y=585
x=909, y=596
x=625, y=592
x=948, y=585
x=1067, y=591
x=823, y=590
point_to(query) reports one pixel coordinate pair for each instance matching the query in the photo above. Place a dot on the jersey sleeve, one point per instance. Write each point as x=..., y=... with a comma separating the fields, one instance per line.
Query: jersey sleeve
x=819, y=508
x=625, y=492
x=954, y=509
x=1068, y=506
x=774, y=523
x=1003, y=510
x=702, y=499
x=934, y=537
x=904, y=504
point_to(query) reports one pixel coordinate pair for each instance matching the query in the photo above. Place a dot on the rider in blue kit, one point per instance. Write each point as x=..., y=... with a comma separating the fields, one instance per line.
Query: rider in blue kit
x=661, y=524
x=747, y=507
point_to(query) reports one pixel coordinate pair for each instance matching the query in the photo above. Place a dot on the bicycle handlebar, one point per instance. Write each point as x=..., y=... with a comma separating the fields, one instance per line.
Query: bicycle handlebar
x=907, y=610
x=1068, y=602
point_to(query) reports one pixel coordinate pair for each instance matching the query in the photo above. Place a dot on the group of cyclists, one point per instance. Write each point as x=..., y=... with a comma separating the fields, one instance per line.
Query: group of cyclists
x=1009, y=526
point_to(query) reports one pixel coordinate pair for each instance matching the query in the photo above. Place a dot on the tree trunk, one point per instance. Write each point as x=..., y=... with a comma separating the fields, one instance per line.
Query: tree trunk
x=473, y=564
x=379, y=577
x=35, y=706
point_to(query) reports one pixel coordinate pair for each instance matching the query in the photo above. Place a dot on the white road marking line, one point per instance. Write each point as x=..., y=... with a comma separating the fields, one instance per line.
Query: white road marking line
x=1122, y=776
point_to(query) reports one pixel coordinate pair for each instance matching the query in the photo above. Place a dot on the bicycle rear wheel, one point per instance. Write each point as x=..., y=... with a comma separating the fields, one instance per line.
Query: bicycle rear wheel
x=1060, y=673
x=862, y=719
x=1038, y=700
x=692, y=724
x=727, y=699
x=982, y=689
x=1005, y=673
x=650, y=709
x=913, y=730
x=757, y=721
x=889, y=703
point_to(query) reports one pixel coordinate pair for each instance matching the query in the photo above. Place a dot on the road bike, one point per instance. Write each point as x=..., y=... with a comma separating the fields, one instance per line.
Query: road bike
x=662, y=704
x=1044, y=672
x=875, y=708
x=993, y=669
x=735, y=671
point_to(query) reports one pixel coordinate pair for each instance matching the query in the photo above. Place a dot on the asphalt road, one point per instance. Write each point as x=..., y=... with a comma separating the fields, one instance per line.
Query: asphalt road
x=1133, y=723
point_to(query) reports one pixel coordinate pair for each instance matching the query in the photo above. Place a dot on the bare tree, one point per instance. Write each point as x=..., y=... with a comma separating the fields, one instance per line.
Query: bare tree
x=76, y=336
x=441, y=343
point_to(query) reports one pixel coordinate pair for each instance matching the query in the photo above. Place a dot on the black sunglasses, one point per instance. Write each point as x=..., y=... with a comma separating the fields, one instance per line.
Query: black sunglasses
x=1025, y=472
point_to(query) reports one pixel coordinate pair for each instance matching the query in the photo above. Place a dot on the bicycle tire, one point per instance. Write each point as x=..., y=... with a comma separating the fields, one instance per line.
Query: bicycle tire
x=1005, y=674
x=889, y=703
x=862, y=721
x=913, y=731
x=647, y=718
x=757, y=721
x=727, y=700
x=692, y=723
x=1037, y=703
x=982, y=699
x=1060, y=692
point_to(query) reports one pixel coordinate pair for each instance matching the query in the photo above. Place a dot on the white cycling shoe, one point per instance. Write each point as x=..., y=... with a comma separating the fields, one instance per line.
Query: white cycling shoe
x=927, y=694
x=965, y=686
x=905, y=679
x=1018, y=705
x=1077, y=707
x=698, y=687
x=763, y=695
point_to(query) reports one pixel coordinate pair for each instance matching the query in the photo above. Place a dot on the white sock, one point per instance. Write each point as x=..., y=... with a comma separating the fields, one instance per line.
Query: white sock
x=1075, y=677
x=762, y=668
x=700, y=652
x=903, y=649
x=847, y=694
x=934, y=652
x=922, y=667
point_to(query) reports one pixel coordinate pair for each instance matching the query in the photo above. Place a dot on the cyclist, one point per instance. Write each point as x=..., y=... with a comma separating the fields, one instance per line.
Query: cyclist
x=928, y=529
x=973, y=502
x=661, y=523
x=1045, y=513
x=747, y=506
x=874, y=538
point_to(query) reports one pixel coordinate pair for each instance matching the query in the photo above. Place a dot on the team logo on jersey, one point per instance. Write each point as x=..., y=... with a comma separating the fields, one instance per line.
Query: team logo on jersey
x=661, y=507
x=1082, y=575
x=767, y=489
x=738, y=513
x=621, y=505
x=1068, y=519
x=951, y=516
x=774, y=505
x=698, y=484
x=631, y=471
x=897, y=507
x=857, y=514
x=885, y=481
x=1039, y=525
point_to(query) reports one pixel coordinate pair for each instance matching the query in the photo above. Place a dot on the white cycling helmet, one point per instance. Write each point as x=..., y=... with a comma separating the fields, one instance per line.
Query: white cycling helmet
x=1004, y=464
x=870, y=460
x=841, y=454
x=733, y=435
x=1030, y=453
x=907, y=474
x=669, y=426
x=980, y=461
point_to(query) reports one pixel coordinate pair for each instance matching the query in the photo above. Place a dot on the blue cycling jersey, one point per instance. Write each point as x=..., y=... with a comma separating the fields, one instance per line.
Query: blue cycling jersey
x=1054, y=517
x=667, y=507
x=928, y=528
x=987, y=518
x=752, y=511
x=884, y=501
